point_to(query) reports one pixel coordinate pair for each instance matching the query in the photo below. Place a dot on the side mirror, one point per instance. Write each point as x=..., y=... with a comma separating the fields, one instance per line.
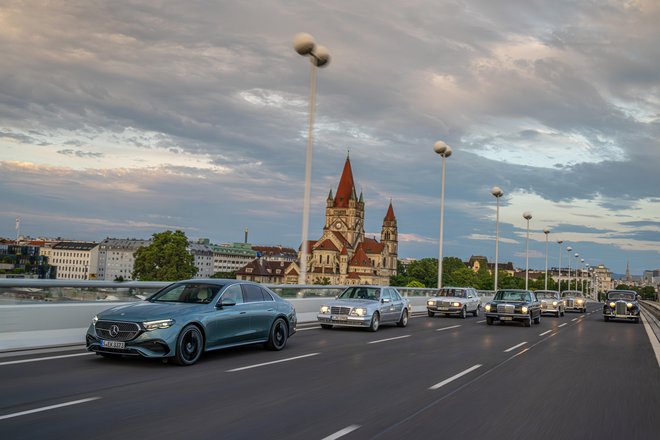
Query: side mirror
x=226, y=302
x=385, y=300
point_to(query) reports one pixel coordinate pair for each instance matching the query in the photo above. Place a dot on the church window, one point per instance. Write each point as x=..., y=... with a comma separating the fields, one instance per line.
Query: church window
x=327, y=259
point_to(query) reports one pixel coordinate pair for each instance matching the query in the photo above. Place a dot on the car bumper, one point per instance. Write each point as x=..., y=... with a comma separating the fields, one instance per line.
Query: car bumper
x=154, y=344
x=576, y=307
x=615, y=316
x=345, y=320
x=508, y=316
x=448, y=310
x=550, y=309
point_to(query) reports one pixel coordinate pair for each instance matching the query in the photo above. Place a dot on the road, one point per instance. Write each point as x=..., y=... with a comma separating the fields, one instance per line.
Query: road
x=574, y=377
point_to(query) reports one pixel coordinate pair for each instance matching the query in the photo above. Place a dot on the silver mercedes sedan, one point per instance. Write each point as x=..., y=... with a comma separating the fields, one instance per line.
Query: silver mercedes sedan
x=367, y=307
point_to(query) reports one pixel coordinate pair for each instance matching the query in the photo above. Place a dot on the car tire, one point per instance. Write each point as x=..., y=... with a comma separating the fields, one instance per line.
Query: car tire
x=476, y=311
x=404, y=319
x=489, y=320
x=528, y=321
x=537, y=320
x=189, y=345
x=375, y=322
x=431, y=314
x=463, y=314
x=563, y=313
x=637, y=320
x=279, y=333
x=326, y=326
x=606, y=318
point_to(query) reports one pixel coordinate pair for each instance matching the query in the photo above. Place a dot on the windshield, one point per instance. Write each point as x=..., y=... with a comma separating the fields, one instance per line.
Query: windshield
x=512, y=295
x=458, y=293
x=188, y=293
x=547, y=295
x=570, y=293
x=372, y=293
x=628, y=296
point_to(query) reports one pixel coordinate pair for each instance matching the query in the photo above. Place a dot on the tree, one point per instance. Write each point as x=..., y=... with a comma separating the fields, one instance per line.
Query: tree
x=648, y=292
x=415, y=283
x=622, y=287
x=225, y=275
x=165, y=259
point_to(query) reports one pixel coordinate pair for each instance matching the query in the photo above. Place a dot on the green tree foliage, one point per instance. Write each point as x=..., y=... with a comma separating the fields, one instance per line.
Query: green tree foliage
x=415, y=283
x=165, y=259
x=225, y=275
x=648, y=292
x=623, y=287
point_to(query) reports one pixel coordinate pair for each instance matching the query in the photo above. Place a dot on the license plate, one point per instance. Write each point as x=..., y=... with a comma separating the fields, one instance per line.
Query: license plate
x=113, y=344
x=340, y=318
x=506, y=318
x=443, y=308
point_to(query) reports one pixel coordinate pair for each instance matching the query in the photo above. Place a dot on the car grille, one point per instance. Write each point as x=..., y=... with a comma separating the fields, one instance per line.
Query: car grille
x=570, y=303
x=127, y=330
x=445, y=304
x=621, y=308
x=505, y=308
x=544, y=305
x=336, y=310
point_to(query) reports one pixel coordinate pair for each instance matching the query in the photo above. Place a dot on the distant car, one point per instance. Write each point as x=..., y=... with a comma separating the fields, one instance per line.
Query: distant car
x=550, y=302
x=513, y=305
x=187, y=318
x=367, y=307
x=621, y=304
x=454, y=301
x=574, y=300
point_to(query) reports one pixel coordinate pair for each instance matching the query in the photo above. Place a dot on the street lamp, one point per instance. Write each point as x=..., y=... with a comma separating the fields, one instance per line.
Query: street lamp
x=588, y=277
x=559, y=242
x=319, y=56
x=497, y=192
x=444, y=151
x=582, y=275
x=546, y=231
x=569, y=249
x=576, y=270
x=527, y=216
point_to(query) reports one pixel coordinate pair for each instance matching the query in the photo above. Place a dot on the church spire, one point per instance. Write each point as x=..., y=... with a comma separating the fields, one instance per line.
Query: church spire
x=389, y=217
x=346, y=187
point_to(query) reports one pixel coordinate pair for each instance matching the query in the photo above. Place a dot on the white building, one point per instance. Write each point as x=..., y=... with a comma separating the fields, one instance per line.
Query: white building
x=116, y=258
x=73, y=260
x=203, y=255
x=232, y=257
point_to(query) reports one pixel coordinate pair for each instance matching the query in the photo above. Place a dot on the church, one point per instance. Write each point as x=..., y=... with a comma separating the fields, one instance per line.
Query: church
x=343, y=255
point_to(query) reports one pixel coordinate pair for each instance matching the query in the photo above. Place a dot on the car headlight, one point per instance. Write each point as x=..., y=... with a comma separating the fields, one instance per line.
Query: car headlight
x=456, y=304
x=487, y=307
x=161, y=323
x=430, y=303
x=629, y=305
x=579, y=301
x=612, y=305
x=325, y=309
x=95, y=319
x=359, y=311
x=524, y=309
x=554, y=303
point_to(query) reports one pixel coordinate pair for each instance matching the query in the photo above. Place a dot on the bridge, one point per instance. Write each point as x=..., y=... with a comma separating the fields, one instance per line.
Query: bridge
x=573, y=377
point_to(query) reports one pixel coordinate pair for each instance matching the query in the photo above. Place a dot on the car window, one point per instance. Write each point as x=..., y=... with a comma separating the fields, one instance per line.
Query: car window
x=361, y=293
x=187, y=293
x=507, y=295
x=386, y=294
x=395, y=295
x=233, y=293
x=252, y=293
x=267, y=295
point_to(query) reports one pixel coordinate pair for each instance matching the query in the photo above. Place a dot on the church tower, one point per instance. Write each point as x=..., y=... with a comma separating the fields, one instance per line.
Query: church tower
x=345, y=212
x=389, y=238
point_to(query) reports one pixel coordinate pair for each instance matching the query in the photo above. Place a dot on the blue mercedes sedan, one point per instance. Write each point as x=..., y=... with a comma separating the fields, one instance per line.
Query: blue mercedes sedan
x=187, y=318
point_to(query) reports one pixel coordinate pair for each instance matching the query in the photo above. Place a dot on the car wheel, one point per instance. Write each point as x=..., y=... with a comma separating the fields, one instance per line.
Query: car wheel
x=537, y=320
x=464, y=312
x=431, y=314
x=489, y=320
x=528, y=321
x=279, y=333
x=404, y=319
x=326, y=326
x=606, y=318
x=563, y=313
x=189, y=345
x=375, y=323
x=476, y=311
x=637, y=320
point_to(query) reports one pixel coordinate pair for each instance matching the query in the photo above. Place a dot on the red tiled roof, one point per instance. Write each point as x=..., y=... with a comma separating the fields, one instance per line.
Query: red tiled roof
x=371, y=246
x=326, y=245
x=390, y=214
x=341, y=238
x=346, y=186
x=344, y=251
x=310, y=246
x=353, y=275
x=360, y=258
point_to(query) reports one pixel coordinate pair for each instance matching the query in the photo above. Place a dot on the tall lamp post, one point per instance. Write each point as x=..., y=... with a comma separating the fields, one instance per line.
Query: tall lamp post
x=319, y=56
x=559, y=242
x=527, y=216
x=546, y=231
x=588, y=278
x=576, y=270
x=569, y=249
x=582, y=275
x=444, y=151
x=497, y=192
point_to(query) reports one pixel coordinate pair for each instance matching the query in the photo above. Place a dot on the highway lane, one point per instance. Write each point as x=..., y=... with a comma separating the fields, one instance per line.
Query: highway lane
x=341, y=382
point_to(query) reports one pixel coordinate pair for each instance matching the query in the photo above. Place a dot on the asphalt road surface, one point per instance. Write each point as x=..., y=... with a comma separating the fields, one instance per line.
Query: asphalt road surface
x=575, y=377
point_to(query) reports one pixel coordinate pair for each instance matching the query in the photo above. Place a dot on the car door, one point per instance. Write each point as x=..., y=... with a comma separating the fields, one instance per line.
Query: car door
x=472, y=300
x=397, y=303
x=228, y=324
x=261, y=308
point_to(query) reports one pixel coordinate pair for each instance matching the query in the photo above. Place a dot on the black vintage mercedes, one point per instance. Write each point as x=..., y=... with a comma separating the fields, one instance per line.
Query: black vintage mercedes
x=621, y=304
x=514, y=305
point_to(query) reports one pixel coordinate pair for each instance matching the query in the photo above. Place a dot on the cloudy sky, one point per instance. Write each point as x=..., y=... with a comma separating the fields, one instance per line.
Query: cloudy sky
x=125, y=118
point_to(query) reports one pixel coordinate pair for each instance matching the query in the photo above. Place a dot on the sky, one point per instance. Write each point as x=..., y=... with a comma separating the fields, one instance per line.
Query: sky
x=126, y=118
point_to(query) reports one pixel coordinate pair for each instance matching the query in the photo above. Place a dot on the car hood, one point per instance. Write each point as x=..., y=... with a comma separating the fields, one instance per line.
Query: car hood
x=145, y=311
x=447, y=298
x=515, y=303
x=353, y=303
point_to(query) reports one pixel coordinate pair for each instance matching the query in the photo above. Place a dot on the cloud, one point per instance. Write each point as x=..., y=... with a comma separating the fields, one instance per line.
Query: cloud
x=79, y=153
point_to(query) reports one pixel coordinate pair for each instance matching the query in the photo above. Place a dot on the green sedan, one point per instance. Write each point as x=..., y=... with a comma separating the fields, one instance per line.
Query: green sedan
x=187, y=318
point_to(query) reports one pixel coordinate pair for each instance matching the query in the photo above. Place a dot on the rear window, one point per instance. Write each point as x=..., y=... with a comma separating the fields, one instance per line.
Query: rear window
x=252, y=293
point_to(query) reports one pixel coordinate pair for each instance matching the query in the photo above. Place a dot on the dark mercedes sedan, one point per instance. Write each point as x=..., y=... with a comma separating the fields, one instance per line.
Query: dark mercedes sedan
x=621, y=304
x=514, y=305
x=187, y=318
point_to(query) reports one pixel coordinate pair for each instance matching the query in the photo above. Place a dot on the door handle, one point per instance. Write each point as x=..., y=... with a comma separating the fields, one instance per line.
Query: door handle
x=242, y=313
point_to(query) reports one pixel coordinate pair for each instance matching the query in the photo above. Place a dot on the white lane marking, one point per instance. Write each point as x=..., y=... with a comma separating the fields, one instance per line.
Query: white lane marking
x=454, y=377
x=561, y=325
x=447, y=328
x=514, y=347
x=582, y=316
x=479, y=322
x=273, y=362
x=47, y=358
x=46, y=408
x=574, y=319
x=652, y=338
x=545, y=333
x=341, y=432
x=388, y=339
x=308, y=328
